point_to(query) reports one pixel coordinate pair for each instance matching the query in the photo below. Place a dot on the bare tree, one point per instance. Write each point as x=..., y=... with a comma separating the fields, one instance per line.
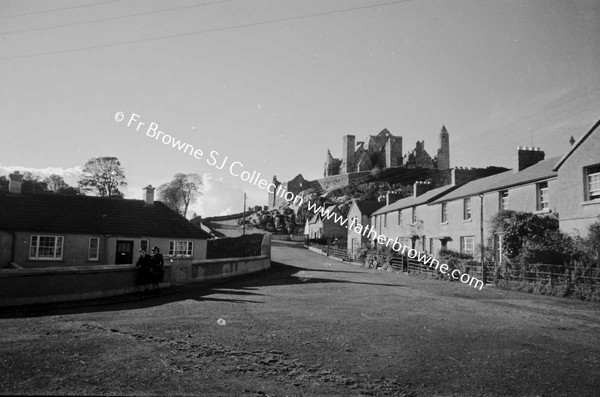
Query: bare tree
x=103, y=176
x=180, y=192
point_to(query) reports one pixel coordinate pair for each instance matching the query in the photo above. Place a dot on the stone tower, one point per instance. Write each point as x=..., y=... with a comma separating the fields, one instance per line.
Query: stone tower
x=393, y=151
x=443, y=155
x=332, y=165
x=348, y=154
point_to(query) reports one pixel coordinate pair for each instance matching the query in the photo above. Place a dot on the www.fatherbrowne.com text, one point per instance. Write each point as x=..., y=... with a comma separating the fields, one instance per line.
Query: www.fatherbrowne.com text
x=237, y=170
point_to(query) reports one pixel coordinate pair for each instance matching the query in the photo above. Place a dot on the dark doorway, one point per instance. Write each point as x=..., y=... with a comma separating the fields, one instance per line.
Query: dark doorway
x=124, y=252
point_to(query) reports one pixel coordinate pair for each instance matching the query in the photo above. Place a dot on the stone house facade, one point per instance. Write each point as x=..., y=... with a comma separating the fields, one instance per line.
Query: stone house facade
x=578, y=203
x=53, y=230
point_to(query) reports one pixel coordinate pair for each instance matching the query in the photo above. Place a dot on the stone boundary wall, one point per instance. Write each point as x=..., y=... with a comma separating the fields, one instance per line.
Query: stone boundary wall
x=48, y=285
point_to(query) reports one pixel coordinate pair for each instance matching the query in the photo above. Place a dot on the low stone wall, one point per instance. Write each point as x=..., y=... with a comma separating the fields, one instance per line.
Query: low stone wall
x=31, y=286
x=217, y=269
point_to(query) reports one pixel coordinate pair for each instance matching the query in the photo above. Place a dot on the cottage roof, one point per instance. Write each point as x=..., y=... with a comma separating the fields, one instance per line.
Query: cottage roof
x=54, y=213
x=318, y=216
x=504, y=180
x=367, y=207
x=576, y=145
x=413, y=201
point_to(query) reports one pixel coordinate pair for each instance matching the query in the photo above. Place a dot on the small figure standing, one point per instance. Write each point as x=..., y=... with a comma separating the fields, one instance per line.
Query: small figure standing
x=145, y=264
x=157, y=271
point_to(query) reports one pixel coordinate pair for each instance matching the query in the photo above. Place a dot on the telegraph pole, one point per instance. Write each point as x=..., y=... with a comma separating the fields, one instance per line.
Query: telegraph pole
x=244, y=217
x=482, y=244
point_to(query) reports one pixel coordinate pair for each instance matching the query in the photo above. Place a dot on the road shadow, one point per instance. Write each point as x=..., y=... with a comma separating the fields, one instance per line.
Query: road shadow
x=231, y=290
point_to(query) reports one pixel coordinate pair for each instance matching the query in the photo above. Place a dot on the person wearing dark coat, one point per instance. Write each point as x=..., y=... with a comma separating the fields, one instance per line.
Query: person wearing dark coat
x=144, y=262
x=157, y=271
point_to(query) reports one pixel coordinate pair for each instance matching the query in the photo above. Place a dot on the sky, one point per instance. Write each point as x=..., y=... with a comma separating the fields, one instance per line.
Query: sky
x=273, y=84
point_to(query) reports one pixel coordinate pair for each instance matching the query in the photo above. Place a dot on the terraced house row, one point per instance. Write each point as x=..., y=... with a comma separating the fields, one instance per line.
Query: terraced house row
x=458, y=216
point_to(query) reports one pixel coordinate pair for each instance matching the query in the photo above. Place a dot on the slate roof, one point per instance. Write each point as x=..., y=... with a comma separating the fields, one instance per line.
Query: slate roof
x=413, y=201
x=318, y=216
x=367, y=207
x=504, y=180
x=54, y=213
x=575, y=146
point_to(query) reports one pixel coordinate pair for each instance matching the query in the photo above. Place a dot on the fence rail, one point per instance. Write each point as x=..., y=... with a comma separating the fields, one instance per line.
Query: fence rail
x=336, y=251
x=541, y=278
x=289, y=237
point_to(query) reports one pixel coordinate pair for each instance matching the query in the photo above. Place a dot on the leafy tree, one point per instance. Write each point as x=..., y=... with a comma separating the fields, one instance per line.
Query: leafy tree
x=182, y=191
x=103, y=176
x=55, y=182
x=4, y=183
x=530, y=238
x=33, y=183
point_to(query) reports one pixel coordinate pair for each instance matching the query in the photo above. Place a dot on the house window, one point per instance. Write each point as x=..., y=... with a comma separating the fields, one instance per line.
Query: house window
x=94, y=249
x=414, y=214
x=399, y=217
x=503, y=200
x=542, y=196
x=144, y=244
x=375, y=222
x=384, y=220
x=467, y=209
x=444, y=212
x=46, y=247
x=467, y=245
x=183, y=248
x=593, y=182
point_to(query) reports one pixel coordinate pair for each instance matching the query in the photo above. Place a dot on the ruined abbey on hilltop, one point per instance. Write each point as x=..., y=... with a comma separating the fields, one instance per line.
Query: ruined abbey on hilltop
x=384, y=150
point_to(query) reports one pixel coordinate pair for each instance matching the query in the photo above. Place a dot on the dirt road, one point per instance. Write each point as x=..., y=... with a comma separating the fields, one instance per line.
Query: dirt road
x=309, y=326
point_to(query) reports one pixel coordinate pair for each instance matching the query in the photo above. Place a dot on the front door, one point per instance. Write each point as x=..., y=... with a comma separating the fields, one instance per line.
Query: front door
x=124, y=252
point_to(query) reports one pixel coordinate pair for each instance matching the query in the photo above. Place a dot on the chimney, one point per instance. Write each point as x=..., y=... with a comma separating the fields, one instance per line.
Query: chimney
x=460, y=175
x=391, y=197
x=421, y=187
x=15, y=182
x=528, y=156
x=149, y=195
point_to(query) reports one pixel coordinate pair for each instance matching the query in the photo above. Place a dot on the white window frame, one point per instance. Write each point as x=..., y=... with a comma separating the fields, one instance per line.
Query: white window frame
x=399, y=217
x=147, y=244
x=503, y=200
x=385, y=220
x=543, y=201
x=467, y=213
x=592, y=183
x=463, y=245
x=414, y=215
x=97, y=256
x=58, y=248
x=444, y=214
x=175, y=248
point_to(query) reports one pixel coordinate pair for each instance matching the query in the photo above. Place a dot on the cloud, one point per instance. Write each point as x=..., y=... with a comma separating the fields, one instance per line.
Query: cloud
x=219, y=197
x=70, y=175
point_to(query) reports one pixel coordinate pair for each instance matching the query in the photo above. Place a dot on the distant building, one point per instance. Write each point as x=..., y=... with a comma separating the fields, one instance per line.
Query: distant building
x=359, y=214
x=320, y=226
x=384, y=150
